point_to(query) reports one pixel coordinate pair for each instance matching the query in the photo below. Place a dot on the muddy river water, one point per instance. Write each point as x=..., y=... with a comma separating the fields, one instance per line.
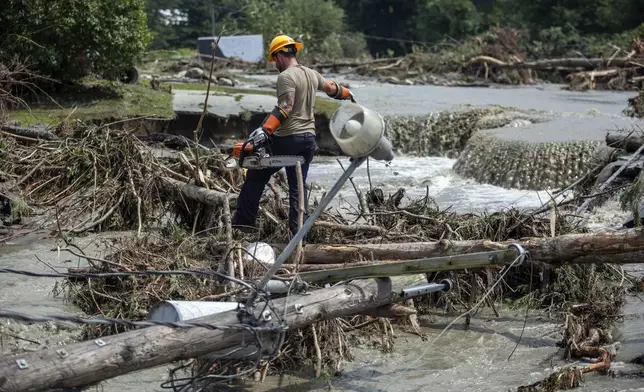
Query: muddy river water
x=461, y=360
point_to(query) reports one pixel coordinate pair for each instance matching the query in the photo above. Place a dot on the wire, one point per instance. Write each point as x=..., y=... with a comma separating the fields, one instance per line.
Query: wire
x=527, y=310
x=103, y=275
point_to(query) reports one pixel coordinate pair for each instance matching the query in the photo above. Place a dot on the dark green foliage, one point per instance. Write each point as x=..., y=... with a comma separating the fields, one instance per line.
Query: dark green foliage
x=66, y=39
x=393, y=27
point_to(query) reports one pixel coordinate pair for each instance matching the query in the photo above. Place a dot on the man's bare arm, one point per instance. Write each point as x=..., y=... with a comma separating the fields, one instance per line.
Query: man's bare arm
x=286, y=102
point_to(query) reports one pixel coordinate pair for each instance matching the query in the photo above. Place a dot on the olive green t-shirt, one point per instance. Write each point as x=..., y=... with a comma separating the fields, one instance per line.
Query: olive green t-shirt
x=304, y=82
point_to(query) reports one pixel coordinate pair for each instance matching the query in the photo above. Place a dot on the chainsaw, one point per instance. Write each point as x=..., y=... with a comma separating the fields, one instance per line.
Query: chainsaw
x=253, y=154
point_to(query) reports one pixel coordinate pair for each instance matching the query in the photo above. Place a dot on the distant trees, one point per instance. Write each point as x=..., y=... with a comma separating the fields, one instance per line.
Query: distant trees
x=321, y=23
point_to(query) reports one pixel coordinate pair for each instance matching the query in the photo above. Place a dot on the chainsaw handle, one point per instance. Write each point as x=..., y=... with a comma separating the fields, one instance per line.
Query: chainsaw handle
x=242, y=153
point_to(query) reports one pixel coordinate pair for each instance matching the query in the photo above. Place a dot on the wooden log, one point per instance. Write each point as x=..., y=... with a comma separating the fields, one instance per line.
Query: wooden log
x=86, y=363
x=28, y=132
x=564, y=248
x=197, y=193
x=356, y=63
x=353, y=229
x=572, y=63
x=630, y=143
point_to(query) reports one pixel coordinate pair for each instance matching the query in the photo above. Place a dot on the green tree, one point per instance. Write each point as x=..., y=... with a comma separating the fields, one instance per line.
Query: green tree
x=65, y=39
x=193, y=19
x=318, y=23
x=391, y=19
x=437, y=18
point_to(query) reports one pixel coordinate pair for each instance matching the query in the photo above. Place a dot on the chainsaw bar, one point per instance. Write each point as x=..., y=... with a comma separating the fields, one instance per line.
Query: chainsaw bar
x=255, y=162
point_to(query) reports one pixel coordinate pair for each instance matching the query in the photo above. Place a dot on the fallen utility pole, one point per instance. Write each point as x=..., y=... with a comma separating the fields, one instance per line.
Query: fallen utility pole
x=89, y=362
x=576, y=248
x=396, y=268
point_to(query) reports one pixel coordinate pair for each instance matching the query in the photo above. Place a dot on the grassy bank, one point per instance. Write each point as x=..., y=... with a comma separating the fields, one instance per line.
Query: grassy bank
x=95, y=101
x=322, y=105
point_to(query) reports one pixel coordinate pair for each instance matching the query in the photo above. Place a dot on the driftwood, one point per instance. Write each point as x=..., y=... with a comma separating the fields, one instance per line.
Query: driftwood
x=87, y=363
x=580, y=248
x=200, y=194
x=357, y=63
x=571, y=63
x=629, y=143
x=30, y=133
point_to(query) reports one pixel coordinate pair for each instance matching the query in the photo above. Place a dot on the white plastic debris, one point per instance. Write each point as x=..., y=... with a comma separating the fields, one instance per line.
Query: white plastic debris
x=260, y=251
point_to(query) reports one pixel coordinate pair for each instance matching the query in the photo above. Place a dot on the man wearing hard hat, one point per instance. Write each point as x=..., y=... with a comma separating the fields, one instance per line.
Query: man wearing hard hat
x=290, y=129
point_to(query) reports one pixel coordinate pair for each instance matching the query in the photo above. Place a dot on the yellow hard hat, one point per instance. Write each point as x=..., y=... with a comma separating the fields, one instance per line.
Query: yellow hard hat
x=279, y=42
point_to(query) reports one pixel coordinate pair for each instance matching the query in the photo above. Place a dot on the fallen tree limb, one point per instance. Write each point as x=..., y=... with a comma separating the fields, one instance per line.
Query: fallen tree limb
x=197, y=193
x=572, y=63
x=87, y=363
x=582, y=248
x=28, y=132
x=351, y=228
x=357, y=63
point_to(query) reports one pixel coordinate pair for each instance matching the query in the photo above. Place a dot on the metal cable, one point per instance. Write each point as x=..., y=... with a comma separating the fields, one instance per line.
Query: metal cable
x=100, y=275
x=103, y=275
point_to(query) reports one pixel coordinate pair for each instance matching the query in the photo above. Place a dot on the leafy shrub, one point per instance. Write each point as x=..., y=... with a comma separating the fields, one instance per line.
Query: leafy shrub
x=67, y=39
x=319, y=24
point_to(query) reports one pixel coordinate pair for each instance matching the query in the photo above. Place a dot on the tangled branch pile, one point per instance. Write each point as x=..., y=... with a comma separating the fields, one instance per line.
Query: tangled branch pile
x=100, y=179
x=508, y=56
x=15, y=77
x=325, y=346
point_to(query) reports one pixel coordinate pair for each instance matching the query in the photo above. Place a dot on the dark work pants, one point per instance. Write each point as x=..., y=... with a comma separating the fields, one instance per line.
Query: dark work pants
x=256, y=180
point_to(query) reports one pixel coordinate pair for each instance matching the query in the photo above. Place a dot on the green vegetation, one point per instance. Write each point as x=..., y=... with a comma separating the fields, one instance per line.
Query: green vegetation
x=97, y=101
x=67, y=39
x=393, y=27
x=320, y=23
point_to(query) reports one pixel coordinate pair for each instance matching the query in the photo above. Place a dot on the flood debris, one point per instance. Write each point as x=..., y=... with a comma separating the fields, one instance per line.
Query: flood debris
x=103, y=179
x=613, y=172
x=329, y=346
x=178, y=206
x=635, y=106
x=503, y=56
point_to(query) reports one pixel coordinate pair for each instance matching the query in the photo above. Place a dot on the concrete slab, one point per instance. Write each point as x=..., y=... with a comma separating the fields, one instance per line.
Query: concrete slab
x=566, y=129
x=221, y=104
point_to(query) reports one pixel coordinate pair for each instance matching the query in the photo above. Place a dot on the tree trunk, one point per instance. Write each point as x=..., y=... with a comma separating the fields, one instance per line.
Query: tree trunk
x=28, y=132
x=564, y=248
x=200, y=194
x=554, y=63
x=355, y=63
x=87, y=363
